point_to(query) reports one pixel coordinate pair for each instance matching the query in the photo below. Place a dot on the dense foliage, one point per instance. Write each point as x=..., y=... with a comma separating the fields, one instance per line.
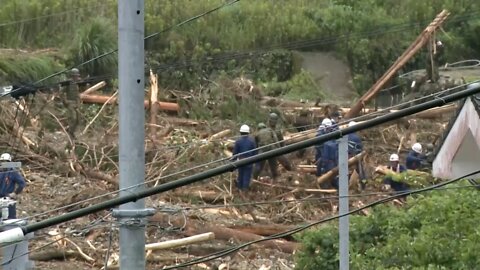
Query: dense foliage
x=436, y=230
x=368, y=34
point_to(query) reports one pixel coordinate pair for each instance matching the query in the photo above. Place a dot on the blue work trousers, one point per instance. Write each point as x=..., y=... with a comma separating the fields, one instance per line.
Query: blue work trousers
x=244, y=177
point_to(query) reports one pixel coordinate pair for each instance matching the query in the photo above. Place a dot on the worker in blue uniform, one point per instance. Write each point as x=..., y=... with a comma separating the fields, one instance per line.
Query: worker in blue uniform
x=355, y=147
x=330, y=159
x=396, y=167
x=244, y=147
x=12, y=183
x=415, y=159
x=322, y=129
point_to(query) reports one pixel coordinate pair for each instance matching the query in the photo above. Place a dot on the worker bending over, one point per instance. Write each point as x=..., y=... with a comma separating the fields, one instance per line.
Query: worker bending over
x=415, y=159
x=396, y=167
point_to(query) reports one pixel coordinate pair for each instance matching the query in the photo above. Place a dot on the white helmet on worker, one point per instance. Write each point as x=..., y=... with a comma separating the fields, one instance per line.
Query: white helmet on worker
x=5, y=157
x=245, y=129
x=417, y=148
x=352, y=123
x=327, y=122
x=394, y=157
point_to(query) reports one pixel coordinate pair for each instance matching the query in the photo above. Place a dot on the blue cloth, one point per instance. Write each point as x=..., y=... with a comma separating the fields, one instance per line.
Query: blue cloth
x=318, y=148
x=244, y=147
x=11, y=181
x=397, y=186
x=414, y=160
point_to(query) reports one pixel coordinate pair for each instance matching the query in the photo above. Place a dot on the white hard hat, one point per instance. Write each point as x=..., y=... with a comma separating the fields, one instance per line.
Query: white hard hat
x=327, y=122
x=245, y=129
x=352, y=123
x=439, y=43
x=417, y=147
x=5, y=157
x=394, y=157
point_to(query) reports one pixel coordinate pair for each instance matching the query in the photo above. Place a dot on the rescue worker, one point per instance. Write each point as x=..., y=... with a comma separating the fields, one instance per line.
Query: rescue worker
x=329, y=159
x=272, y=123
x=244, y=147
x=322, y=129
x=415, y=159
x=434, y=52
x=266, y=140
x=335, y=120
x=395, y=166
x=11, y=184
x=355, y=147
x=71, y=101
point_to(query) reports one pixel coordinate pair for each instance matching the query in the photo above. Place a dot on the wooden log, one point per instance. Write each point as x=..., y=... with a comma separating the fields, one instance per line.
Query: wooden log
x=153, y=104
x=94, y=88
x=224, y=233
x=181, y=242
x=262, y=229
x=101, y=99
x=333, y=172
x=54, y=254
x=101, y=176
x=307, y=168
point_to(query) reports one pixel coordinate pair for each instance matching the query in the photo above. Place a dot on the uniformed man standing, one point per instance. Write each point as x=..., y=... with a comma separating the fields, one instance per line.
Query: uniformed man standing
x=266, y=140
x=435, y=50
x=72, y=102
x=272, y=123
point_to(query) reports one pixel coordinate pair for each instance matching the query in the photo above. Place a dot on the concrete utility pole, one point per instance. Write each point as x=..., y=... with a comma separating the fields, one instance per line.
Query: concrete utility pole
x=343, y=227
x=131, y=77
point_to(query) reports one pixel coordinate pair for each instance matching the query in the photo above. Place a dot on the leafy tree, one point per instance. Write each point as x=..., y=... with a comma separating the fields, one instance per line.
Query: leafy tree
x=436, y=230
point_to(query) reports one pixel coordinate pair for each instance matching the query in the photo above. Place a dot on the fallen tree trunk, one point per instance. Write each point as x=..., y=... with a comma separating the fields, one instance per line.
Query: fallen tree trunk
x=181, y=242
x=334, y=172
x=101, y=99
x=224, y=233
x=263, y=230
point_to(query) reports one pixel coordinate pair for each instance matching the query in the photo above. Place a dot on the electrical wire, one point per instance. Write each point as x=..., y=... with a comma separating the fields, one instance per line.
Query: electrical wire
x=51, y=15
x=228, y=251
x=306, y=43
x=218, y=160
x=191, y=19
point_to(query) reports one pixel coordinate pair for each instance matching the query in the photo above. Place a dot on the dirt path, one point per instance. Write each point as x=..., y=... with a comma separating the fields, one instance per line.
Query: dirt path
x=331, y=74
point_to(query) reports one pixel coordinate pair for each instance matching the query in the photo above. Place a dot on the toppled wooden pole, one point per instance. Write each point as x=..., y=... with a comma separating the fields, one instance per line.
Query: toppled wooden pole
x=334, y=172
x=101, y=99
x=181, y=242
x=421, y=40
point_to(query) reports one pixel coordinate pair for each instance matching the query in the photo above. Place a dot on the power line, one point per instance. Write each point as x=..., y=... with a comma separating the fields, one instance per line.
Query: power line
x=133, y=196
x=220, y=160
x=56, y=14
x=225, y=252
x=148, y=37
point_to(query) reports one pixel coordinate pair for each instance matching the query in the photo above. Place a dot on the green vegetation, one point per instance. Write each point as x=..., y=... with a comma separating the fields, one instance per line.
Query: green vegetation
x=250, y=38
x=27, y=68
x=436, y=230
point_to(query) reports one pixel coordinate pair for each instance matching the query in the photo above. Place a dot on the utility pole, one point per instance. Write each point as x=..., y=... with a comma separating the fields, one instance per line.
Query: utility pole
x=131, y=78
x=343, y=227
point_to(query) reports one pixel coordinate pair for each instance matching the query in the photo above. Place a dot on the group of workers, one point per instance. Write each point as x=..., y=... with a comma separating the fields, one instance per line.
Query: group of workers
x=268, y=137
x=415, y=160
x=326, y=154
